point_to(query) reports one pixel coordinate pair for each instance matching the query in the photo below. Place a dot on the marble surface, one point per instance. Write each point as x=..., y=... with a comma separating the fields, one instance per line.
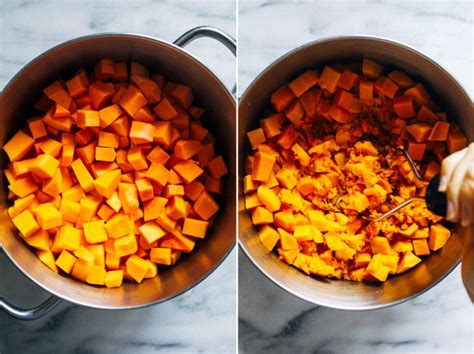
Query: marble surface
x=202, y=320
x=270, y=320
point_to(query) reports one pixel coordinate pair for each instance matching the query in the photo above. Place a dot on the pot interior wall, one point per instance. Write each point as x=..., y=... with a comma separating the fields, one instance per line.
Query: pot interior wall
x=176, y=65
x=255, y=101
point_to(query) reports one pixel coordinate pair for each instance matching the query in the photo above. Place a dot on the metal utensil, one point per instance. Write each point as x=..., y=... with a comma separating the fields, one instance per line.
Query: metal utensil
x=173, y=62
x=435, y=201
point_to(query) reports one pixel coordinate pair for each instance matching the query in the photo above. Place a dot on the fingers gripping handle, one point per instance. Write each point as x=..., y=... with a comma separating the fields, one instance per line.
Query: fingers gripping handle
x=210, y=32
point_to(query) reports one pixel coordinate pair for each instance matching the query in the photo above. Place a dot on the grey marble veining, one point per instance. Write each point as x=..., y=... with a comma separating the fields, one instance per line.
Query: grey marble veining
x=202, y=320
x=270, y=320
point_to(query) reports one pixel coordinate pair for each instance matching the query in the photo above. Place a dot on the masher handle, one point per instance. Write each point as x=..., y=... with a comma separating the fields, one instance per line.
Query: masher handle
x=436, y=201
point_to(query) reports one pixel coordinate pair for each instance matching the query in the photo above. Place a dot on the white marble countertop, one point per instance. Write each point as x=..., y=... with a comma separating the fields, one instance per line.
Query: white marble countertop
x=270, y=320
x=202, y=320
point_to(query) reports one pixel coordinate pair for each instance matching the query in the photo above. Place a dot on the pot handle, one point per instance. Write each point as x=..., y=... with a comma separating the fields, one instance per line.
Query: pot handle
x=32, y=313
x=211, y=32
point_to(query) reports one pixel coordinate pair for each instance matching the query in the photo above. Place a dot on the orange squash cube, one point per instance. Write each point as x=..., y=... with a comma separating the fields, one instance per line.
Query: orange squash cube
x=81, y=269
x=39, y=240
x=328, y=79
x=188, y=170
x=83, y=176
x=113, y=278
x=409, y=260
x=269, y=237
x=66, y=261
x=96, y=275
x=48, y=216
x=26, y=223
x=48, y=259
x=107, y=183
x=438, y=237
x=84, y=254
x=18, y=146
x=158, y=173
x=126, y=245
x=141, y=132
x=205, y=206
x=420, y=247
x=128, y=195
x=137, y=268
x=136, y=158
x=282, y=97
x=195, y=227
x=151, y=231
x=153, y=208
x=132, y=100
x=161, y=255
x=377, y=269
x=371, y=69
x=119, y=225
x=94, y=231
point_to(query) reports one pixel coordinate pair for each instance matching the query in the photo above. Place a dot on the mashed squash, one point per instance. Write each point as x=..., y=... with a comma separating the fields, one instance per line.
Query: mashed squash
x=327, y=158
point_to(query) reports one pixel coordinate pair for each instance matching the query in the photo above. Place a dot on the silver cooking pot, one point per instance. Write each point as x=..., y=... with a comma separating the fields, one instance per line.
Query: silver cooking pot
x=174, y=63
x=341, y=294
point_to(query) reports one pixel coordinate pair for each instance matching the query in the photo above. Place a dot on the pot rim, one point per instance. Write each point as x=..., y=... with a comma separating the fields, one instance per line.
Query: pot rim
x=271, y=67
x=335, y=38
x=134, y=36
x=115, y=34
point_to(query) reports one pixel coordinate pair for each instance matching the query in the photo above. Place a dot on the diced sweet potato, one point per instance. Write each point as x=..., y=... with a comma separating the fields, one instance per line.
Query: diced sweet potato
x=132, y=100
x=456, y=141
x=409, y=260
x=269, y=237
x=377, y=269
x=309, y=100
x=425, y=114
x=420, y=247
x=269, y=198
x=262, y=166
x=18, y=146
x=329, y=79
x=419, y=131
x=371, y=69
x=304, y=82
x=366, y=90
x=403, y=106
x=419, y=94
x=416, y=151
x=256, y=137
x=439, y=132
x=401, y=79
x=438, y=237
x=282, y=97
x=347, y=80
x=295, y=112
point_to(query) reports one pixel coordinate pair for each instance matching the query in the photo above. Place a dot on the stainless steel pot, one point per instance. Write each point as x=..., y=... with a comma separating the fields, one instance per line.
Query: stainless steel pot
x=176, y=64
x=341, y=294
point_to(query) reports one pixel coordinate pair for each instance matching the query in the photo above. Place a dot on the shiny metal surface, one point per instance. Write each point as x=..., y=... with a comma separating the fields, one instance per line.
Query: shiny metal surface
x=211, y=32
x=177, y=65
x=335, y=293
x=31, y=313
x=417, y=174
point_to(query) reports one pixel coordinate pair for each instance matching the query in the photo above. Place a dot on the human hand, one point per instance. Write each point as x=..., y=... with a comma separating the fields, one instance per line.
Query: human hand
x=457, y=181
